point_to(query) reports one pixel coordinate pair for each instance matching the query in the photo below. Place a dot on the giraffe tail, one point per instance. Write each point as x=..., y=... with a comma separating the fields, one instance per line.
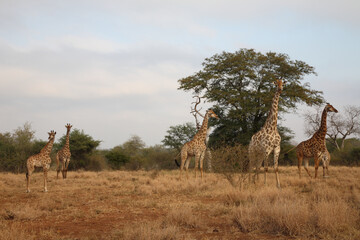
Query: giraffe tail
x=290, y=150
x=286, y=155
x=176, y=162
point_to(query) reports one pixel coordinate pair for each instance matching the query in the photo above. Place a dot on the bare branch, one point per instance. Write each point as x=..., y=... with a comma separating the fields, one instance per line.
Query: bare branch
x=195, y=112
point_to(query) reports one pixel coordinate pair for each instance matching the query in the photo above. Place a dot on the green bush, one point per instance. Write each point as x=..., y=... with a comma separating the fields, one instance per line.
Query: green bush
x=117, y=158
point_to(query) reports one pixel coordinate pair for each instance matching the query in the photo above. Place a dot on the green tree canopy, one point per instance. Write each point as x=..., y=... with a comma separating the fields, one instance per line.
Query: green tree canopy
x=178, y=135
x=16, y=147
x=240, y=87
x=134, y=149
x=117, y=158
x=82, y=146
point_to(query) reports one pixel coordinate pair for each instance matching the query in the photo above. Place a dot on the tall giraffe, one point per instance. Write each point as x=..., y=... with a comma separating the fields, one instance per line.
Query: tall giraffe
x=41, y=159
x=267, y=140
x=63, y=155
x=315, y=147
x=197, y=146
x=195, y=112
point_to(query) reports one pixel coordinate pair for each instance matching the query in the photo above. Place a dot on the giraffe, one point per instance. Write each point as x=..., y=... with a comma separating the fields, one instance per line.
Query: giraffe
x=267, y=140
x=315, y=147
x=41, y=159
x=197, y=146
x=63, y=155
x=326, y=163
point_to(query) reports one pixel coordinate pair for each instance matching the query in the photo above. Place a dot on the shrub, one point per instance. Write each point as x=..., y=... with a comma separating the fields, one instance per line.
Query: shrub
x=232, y=162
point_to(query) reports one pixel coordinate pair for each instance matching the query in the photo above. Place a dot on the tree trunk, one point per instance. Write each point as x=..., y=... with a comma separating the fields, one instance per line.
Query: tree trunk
x=342, y=144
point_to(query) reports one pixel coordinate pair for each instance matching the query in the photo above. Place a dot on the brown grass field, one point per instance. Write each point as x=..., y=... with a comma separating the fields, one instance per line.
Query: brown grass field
x=156, y=205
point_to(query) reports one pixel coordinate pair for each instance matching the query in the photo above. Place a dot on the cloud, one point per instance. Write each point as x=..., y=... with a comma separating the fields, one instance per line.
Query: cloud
x=73, y=71
x=90, y=43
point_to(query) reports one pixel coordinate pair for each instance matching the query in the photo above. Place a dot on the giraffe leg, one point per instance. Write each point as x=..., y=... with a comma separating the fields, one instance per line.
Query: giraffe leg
x=327, y=166
x=263, y=156
x=266, y=168
x=323, y=159
x=28, y=174
x=66, y=167
x=187, y=162
x=63, y=168
x=208, y=159
x=276, y=158
x=299, y=158
x=58, y=166
x=202, y=156
x=256, y=175
x=45, y=179
x=306, y=165
x=197, y=158
x=266, y=165
x=317, y=162
x=325, y=163
x=28, y=182
x=327, y=170
x=184, y=156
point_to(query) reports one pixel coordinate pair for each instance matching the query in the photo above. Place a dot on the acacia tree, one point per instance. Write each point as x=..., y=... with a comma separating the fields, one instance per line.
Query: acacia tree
x=339, y=127
x=178, y=135
x=240, y=87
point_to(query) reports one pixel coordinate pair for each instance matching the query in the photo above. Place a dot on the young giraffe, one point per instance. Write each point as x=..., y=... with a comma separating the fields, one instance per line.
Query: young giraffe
x=63, y=155
x=267, y=140
x=326, y=163
x=315, y=147
x=197, y=146
x=41, y=159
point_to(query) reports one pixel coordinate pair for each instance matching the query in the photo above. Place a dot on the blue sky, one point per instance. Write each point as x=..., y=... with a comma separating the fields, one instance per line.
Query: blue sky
x=111, y=67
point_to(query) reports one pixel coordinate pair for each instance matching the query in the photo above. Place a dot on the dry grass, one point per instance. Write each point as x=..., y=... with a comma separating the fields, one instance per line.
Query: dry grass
x=156, y=205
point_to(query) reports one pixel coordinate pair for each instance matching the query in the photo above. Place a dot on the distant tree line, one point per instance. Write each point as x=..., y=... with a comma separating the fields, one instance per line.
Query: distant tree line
x=17, y=146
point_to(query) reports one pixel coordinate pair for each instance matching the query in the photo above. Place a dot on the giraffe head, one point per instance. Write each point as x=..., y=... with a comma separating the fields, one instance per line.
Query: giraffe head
x=211, y=114
x=51, y=134
x=330, y=108
x=68, y=126
x=279, y=83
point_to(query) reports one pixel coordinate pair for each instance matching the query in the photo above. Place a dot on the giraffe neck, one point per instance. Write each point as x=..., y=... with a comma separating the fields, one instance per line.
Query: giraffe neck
x=271, y=121
x=67, y=141
x=203, y=129
x=322, y=130
x=48, y=147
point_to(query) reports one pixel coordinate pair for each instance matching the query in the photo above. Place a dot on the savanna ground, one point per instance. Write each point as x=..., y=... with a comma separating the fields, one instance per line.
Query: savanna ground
x=156, y=205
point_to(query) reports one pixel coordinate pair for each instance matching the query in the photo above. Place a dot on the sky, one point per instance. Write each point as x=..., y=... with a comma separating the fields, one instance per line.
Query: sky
x=111, y=68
